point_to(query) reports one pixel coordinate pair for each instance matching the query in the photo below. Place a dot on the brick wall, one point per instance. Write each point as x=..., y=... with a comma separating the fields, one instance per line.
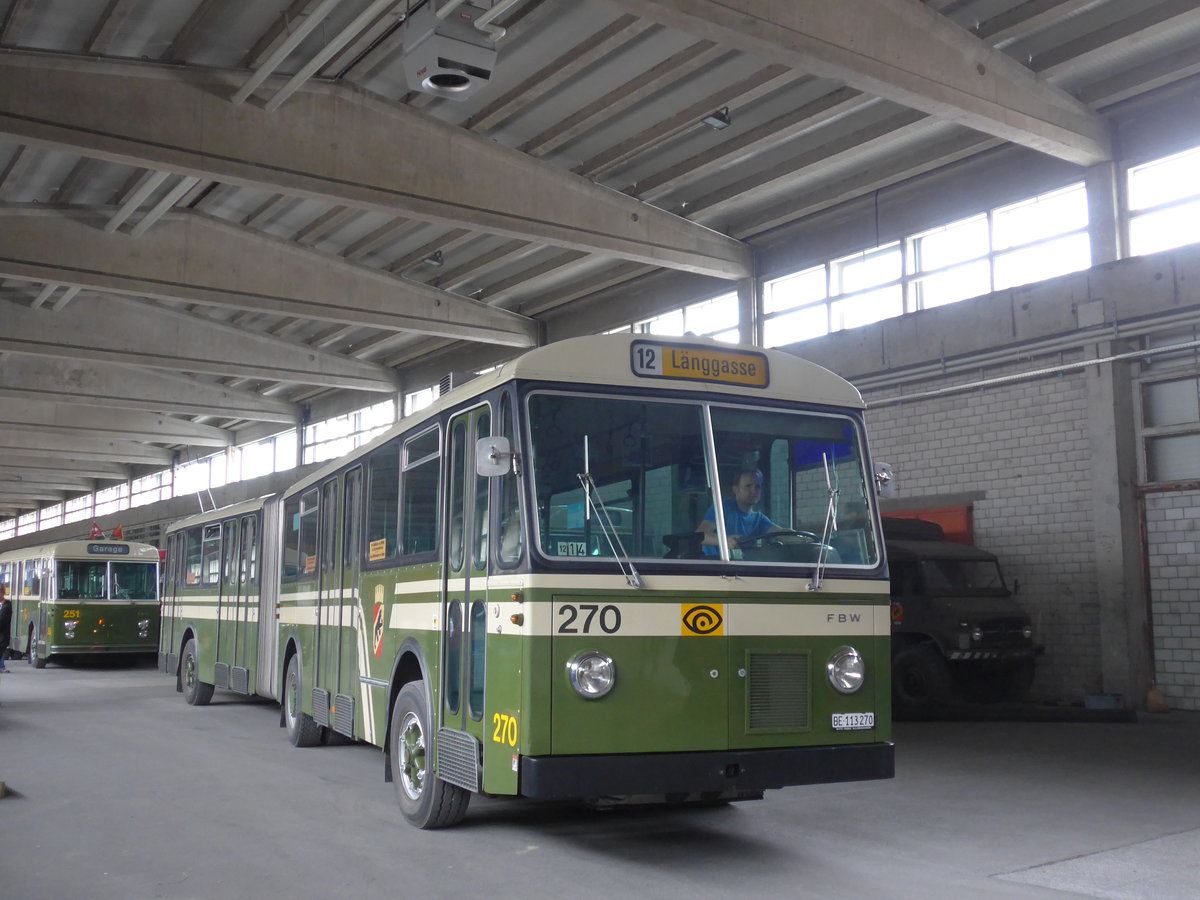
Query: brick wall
x=1024, y=446
x=1173, y=539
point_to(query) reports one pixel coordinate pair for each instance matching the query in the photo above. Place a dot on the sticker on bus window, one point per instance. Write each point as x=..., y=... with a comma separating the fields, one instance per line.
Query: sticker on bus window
x=310, y=563
x=377, y=550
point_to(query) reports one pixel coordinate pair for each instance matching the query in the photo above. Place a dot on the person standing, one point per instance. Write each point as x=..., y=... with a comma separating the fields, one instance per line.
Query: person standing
x=5, y=624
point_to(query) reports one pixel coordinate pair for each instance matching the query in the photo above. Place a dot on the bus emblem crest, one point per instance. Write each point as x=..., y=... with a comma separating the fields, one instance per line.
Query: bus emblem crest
x=703, y=619
x=378, y=630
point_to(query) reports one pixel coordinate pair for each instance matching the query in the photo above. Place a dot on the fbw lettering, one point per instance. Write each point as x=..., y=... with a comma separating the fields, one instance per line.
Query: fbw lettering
x=842, y=618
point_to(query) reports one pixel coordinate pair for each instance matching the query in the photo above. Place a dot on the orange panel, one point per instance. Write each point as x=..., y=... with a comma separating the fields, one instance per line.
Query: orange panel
x=956, y=521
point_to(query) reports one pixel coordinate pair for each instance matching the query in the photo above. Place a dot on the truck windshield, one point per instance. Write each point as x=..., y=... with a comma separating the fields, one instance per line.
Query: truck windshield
x=652, y=466
x=961, y=576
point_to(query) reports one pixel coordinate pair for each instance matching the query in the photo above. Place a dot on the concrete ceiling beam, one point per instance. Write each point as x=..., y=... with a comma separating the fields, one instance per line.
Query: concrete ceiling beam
x=195, y=259
x=903, y=51
x=160, y=117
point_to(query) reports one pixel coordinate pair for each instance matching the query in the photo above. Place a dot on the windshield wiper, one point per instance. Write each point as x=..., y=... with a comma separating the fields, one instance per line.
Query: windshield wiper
x=607, y=528
x=830, y=526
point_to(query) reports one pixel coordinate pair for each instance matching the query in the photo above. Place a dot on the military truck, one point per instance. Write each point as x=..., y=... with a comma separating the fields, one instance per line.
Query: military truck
x=958, y=634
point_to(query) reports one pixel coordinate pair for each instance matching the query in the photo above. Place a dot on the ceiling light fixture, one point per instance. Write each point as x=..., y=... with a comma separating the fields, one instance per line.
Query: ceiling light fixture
x=718, y=120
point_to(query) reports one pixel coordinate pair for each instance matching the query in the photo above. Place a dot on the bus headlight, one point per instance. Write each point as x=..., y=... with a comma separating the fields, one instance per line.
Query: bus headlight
x=592, y=674
x=69, y=627
x=846, y=670
x=143, y=628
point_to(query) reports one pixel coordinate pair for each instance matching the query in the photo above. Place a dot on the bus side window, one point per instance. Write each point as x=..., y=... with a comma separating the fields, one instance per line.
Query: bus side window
x=419, y=493
x=383, y=487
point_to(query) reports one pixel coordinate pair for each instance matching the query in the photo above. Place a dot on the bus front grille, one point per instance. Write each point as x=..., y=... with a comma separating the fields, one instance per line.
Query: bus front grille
x=777, y=691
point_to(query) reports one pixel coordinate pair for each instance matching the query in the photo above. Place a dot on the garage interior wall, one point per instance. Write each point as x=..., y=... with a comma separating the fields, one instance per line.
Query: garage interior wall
x=1022, y=402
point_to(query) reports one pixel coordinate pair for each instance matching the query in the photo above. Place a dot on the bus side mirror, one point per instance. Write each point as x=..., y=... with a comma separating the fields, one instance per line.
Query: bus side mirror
x=494, y=456
x=885, y=480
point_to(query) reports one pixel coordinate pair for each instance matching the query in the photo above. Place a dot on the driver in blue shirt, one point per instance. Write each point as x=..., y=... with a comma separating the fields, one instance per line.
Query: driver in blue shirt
x=742, y=520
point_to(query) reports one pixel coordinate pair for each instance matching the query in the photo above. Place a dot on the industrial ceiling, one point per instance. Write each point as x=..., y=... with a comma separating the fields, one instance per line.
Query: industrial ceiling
x=214, y=212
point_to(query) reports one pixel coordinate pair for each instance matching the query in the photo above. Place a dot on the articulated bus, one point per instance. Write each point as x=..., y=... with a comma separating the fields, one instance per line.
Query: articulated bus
x=534, y=587
x=80, y=598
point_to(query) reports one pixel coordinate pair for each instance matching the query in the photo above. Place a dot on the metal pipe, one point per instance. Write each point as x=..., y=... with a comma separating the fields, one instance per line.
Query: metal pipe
x=1035, y=373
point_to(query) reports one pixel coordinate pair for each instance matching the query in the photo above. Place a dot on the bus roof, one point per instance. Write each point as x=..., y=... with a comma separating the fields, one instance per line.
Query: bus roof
x=607, y=360
x=98, y=549
x=223, y=512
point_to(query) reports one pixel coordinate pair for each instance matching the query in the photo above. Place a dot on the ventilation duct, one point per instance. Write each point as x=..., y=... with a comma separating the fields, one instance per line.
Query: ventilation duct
x=445, y=53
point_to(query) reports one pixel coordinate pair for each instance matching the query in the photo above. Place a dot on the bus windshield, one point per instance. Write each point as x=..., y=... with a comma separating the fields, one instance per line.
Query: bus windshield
x=651, y=462
x=93, y=580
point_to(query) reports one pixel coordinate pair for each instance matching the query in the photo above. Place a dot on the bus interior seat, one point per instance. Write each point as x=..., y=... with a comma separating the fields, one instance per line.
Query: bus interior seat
x=684, y=545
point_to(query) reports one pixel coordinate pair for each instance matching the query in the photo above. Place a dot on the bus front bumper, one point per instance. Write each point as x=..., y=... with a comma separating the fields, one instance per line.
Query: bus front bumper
x=721, y=772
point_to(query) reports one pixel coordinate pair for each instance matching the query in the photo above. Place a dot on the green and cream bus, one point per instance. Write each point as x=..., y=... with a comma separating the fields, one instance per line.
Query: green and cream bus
x=508, y=592
x=81, y=598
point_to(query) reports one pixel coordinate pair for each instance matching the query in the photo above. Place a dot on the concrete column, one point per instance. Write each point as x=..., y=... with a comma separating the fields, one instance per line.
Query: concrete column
x=1104, y=213
x=749, y=292
x=1125, y=664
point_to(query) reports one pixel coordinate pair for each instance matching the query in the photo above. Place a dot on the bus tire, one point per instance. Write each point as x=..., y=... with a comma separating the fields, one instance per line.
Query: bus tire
x=302, y=731
x=38, y=662
x=425, y=800
x=195, y=691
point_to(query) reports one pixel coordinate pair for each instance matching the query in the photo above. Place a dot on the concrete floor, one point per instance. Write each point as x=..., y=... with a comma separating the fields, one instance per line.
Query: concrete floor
x=120, y=790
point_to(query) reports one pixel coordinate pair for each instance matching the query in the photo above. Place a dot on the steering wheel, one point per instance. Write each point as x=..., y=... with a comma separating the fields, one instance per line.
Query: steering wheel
x=769, y=537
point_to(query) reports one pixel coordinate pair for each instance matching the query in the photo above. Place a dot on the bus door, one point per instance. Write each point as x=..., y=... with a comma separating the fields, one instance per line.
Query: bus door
x=464, y=610
x=353, y=619
x=168, y=600
x=247, y=577
x=329, y=612
x=39, y=594
x=227, y=606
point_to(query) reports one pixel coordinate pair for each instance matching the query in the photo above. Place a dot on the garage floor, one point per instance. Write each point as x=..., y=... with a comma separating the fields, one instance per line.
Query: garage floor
x=120, y=790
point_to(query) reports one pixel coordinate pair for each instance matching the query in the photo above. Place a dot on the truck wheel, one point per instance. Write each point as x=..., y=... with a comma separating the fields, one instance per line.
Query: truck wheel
x=921, y=679
x=195, y=691
x=302, y=731
x=425, y=800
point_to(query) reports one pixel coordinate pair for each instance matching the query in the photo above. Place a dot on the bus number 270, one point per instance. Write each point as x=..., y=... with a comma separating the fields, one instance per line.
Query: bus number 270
x=506, y=729
x=580, y=619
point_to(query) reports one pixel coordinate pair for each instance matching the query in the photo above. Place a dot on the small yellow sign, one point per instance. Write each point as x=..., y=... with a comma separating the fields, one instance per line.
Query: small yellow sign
x=705, y=619
x=377, y=550
x=696, y=363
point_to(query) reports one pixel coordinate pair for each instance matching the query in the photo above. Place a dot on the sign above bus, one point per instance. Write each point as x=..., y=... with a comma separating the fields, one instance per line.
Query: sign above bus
x=108, y=549
x=744, y=368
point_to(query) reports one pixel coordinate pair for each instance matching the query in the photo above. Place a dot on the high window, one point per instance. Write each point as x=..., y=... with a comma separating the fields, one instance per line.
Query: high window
x=1164, y=203
x=1038, y=238
x=1171, y=429
x=331, y=438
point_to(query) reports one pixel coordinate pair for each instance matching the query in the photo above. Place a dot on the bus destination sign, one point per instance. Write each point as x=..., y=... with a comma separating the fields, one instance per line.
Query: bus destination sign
x=108, y=549
x=697, y=363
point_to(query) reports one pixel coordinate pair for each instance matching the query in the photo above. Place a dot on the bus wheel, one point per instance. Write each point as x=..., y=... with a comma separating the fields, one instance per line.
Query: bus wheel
x=425, y=800
x=38, y=662
x=302, y=731
x=195, y=691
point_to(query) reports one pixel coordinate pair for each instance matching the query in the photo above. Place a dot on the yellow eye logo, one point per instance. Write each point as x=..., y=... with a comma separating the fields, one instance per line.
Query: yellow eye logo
x=702, y=619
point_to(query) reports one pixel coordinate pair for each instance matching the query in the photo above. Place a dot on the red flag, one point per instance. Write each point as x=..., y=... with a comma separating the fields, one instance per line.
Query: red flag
x=97, y=534
x=118, y=534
